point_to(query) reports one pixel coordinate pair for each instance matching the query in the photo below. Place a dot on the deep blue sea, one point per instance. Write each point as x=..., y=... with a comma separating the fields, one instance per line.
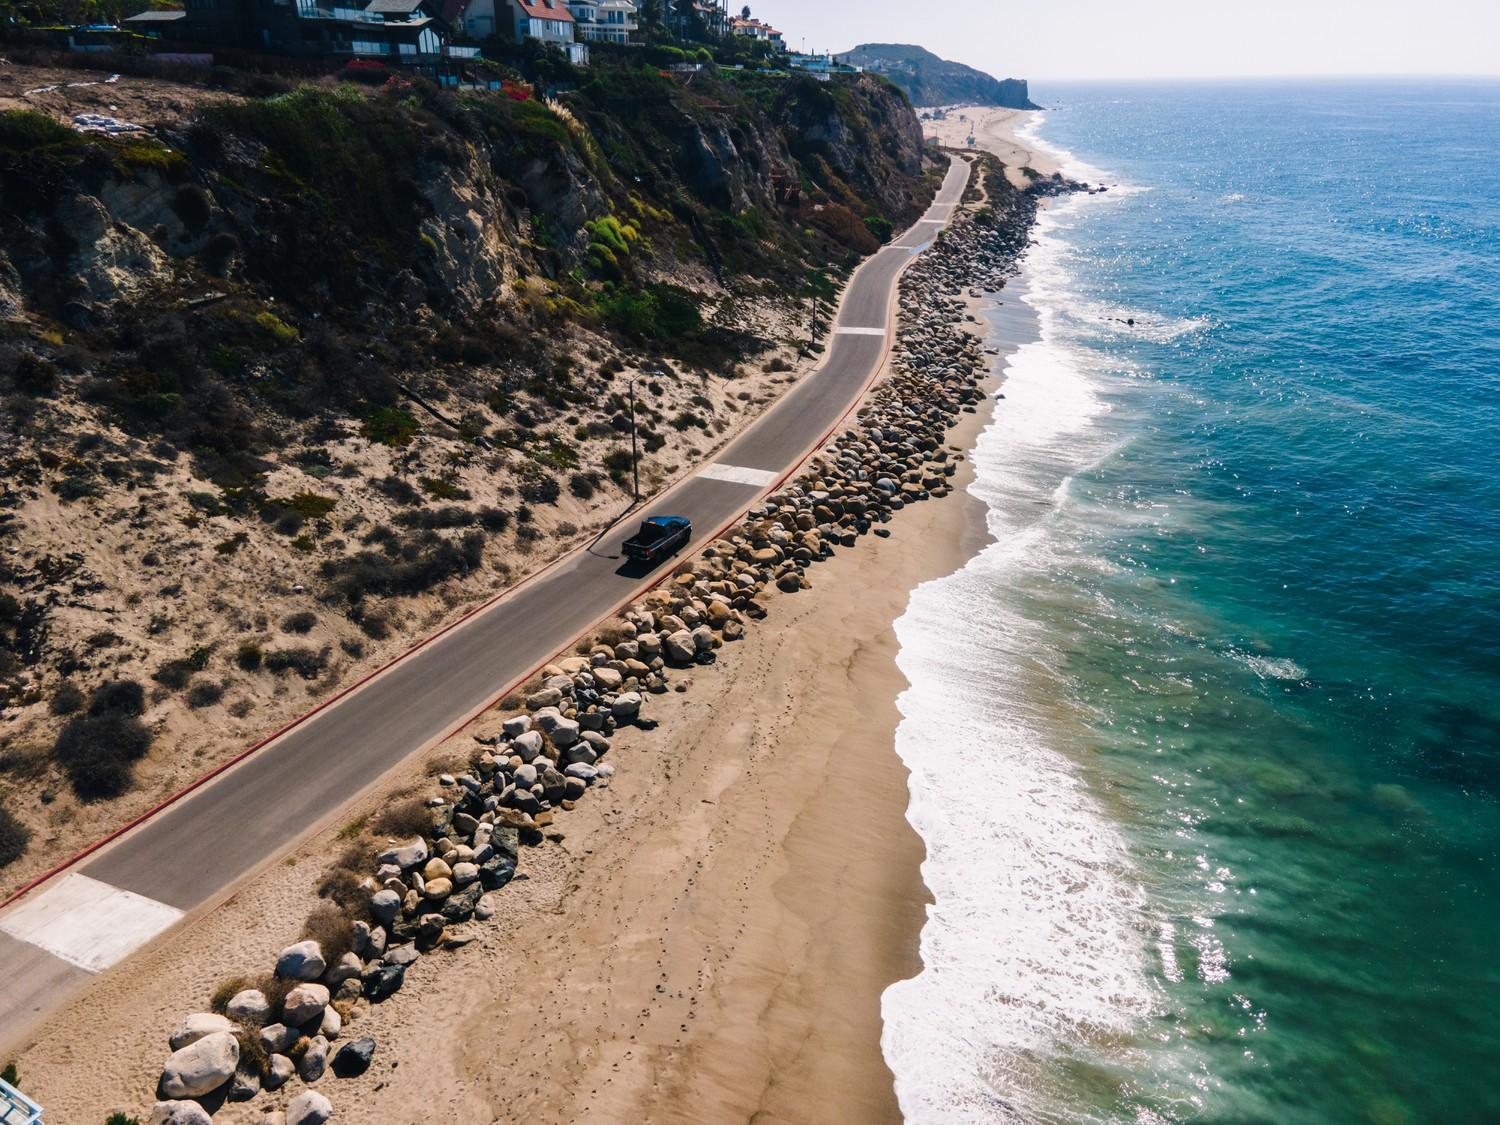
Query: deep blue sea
x=1205, y=747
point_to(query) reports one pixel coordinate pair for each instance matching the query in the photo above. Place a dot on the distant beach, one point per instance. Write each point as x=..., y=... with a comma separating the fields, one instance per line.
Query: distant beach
x=997, y=131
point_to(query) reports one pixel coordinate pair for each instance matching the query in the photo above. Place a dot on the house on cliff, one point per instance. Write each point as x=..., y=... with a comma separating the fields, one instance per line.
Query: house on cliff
x=550, y=22
x=756, y=29
x=604, y=21
x=408, y=33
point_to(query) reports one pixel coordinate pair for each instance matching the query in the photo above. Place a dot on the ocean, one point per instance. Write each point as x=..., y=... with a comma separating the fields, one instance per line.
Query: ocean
x=1205, y=746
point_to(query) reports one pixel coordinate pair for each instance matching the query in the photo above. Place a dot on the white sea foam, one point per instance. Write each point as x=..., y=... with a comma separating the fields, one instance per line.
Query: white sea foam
x=1035, y=947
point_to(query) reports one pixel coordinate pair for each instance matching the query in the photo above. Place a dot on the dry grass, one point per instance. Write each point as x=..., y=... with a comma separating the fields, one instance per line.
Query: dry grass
x=404, y=819
x=333, y=930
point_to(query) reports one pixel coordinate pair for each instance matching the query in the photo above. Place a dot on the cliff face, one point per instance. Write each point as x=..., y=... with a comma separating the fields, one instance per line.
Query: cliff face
x=346, y=203
x=931, y=81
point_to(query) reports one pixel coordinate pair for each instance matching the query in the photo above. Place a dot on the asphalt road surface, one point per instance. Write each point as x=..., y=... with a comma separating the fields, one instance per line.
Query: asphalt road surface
x=190, y=854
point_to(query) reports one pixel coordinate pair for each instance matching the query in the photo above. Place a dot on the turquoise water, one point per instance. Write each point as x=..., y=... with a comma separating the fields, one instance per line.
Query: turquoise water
x=1243, y=619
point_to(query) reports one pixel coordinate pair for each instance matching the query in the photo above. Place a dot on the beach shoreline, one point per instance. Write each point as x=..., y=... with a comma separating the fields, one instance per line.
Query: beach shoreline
x=710, y=937
x=998, y=132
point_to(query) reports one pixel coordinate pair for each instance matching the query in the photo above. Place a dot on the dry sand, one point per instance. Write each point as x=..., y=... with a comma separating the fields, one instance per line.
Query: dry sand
x=707, y=941
x=997, y=131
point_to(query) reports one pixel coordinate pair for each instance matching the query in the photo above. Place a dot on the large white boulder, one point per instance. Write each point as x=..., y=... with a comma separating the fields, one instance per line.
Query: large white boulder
x=192, y=1028
x=201, y=1067
x=304, y=1004
x=250, y=1005
x=179, y=1113
x=309, y=1108
x=302, y=961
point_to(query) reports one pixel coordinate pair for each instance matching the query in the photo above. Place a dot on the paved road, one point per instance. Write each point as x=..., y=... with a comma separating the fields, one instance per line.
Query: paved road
x=193, y=852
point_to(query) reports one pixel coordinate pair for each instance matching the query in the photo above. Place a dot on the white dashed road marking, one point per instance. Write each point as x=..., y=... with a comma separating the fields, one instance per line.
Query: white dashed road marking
x=88, y=923
x=859, y=331
x=737, y=474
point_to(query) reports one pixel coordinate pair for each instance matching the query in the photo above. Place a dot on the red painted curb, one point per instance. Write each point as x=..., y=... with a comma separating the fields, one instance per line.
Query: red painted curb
x=485, y=606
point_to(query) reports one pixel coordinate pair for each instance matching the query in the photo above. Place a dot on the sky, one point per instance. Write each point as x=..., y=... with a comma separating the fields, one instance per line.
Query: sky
x=1092, y=39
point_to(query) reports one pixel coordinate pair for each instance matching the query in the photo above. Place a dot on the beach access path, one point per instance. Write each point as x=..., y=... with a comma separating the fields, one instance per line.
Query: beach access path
x=187, y=857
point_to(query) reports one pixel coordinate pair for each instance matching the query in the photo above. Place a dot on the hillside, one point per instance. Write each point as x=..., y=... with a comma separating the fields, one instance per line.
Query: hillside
x=298, y=371
x=931, y=81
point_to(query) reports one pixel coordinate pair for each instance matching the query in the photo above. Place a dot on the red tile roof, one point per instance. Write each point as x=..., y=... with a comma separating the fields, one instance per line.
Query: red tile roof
x=545, y=10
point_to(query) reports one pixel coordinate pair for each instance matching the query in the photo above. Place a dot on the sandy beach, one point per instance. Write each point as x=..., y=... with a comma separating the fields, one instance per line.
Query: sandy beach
x=996, y=131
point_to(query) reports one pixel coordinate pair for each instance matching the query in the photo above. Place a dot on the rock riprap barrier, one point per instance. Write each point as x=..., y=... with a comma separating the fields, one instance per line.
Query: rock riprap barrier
x=419, y=891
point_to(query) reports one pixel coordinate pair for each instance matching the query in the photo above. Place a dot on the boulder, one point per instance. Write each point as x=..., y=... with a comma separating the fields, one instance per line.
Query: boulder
x=528, y=746
x=439, y=888
x=627, y=706
x=582, y=753
x=436, y=869
x=681, y=647
x=465, y=873
x=383, y=979
x=486, y=908
x=385, y=906
x=608, y=679
x=179, y=1113
x=309, y=1108
x=192, y=1028
x=354, y=1057
x=402, y=955
x=314, y=1060
x=302, y=961
x=516, y=725
x=249, y=1006
x=347, y=967
x=277, y=1038
x=279, y=1071
x=405, y=855
x=546, y=697
x=246, y=1083
x=201, y=1067
x=332, y=1025
x=564, y=733
x=304, y=1004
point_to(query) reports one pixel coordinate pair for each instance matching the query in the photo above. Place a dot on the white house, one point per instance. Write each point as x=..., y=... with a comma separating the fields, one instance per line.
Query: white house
x=604, y=21
x=756, y=29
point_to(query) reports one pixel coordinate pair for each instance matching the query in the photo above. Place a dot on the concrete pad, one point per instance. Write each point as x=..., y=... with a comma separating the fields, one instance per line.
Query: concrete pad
x=737, y=474
x=87, y=923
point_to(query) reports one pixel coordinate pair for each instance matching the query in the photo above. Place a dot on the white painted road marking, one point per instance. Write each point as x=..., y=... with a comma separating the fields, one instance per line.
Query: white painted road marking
x=859, y=331
x=738, y=474
x=88, y=923
x=931, y=222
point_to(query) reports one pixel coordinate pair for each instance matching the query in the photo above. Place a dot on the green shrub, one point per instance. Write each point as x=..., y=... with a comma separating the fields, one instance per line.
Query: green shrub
x=390, y=425
x=123, y=1118
x=299, y=622
x=249, y=656
x=408, y=566
x=98, y=752
x=14, y=837
x=67, y=701
x=306, y=662
x=26, y=130
x=880, y=227
x=118, y=697
x=204, y=693
x=278, y=329
x=36, y=375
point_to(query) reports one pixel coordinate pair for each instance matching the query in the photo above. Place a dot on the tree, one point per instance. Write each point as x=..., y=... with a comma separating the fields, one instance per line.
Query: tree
x=745, y=12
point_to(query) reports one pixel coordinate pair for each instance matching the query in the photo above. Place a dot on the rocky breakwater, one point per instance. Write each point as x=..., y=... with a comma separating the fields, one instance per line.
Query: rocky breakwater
x=399, y=896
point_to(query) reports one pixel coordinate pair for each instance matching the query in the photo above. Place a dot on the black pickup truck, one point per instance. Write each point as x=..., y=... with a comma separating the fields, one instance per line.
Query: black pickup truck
x=659, y=537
